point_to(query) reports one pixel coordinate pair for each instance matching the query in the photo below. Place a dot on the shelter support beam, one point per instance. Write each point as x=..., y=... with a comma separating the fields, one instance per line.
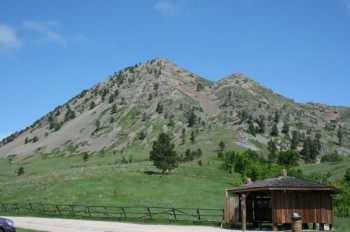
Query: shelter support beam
x=243, y=212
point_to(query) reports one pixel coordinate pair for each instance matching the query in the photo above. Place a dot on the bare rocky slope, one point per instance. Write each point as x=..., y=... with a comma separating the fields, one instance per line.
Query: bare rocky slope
x=126, y=112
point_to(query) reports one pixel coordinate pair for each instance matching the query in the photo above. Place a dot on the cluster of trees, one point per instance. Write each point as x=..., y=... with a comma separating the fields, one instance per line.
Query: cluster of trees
x=53, y=121
x=34, y=139
x=341, y=202
x=8, y=139
x=70, y=114
x=309, y=152
x=190, y=155
x=250, y=164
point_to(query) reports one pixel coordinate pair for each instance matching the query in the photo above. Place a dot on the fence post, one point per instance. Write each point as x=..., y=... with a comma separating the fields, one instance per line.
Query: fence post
x=198, y=215
x=149, y=213
x=123, y=212
x=106, y=211
x=72, y=210
x=88, y=210
x=3, y=205
x=174, y=213
x=58, y=209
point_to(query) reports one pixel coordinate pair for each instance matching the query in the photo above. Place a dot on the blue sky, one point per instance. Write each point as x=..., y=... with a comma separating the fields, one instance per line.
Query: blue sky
x=52, y=50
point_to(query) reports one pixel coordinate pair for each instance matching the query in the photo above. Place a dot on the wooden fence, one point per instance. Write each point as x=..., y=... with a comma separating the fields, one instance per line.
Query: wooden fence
x=116, y=212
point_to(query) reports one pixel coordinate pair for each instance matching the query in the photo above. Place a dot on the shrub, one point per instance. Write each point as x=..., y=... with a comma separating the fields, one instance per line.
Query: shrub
x=332, y=157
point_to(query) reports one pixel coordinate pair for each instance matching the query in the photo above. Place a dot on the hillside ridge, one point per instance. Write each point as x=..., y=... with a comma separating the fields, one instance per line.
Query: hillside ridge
x=160, y=96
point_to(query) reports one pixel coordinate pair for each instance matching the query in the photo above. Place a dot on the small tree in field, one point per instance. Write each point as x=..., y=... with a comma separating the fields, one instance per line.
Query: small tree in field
x=85, y=156
x=163, y=155
x=20, y=171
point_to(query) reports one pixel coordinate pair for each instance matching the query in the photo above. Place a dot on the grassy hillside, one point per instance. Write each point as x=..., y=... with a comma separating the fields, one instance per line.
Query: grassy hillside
x=335, y=169
x=109, y=179
x=105, y=180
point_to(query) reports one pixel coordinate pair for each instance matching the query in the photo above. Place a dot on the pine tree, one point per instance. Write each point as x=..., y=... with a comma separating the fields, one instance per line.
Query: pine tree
x=188, y=155
x=306, y=151
x=285, y=129
x=222, y=146
x=111, y=98
x=97, y=124
x=199, y=153
x=274, y=131
x=85, y=156
x=294, y=141
x=191, y=118
x=20, y=171
x=92, y=105
x=163, y=155
x=276, y=119
x=251, y=129
x=183, y=133
x=159, y=108
x=261, y=123
x=192, y=138
x=272, y=148
x=114, y=109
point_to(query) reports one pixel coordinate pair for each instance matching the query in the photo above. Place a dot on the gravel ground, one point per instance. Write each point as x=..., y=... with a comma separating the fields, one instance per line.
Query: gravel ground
x=69, y=225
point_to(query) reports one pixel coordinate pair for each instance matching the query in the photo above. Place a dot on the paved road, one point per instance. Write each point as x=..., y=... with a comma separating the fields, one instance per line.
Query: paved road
x=69, y=225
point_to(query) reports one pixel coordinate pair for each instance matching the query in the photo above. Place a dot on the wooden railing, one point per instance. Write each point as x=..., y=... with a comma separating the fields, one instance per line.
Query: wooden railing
x=115, y=212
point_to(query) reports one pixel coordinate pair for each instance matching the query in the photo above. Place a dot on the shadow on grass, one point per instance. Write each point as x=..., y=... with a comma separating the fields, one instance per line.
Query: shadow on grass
x=155, y=173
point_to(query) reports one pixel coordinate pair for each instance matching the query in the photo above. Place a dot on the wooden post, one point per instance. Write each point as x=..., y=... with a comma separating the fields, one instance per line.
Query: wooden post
x=58, y=209
x=122, y=213
x=149, y=213
x=88, y=211
x=174, y=213
x=198, y=215
x=106, y=211
x=243, y=213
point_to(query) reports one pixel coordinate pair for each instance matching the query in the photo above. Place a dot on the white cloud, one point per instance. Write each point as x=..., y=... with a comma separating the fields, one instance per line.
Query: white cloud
x=169, y=8
x=9, y=41
x=46, y=31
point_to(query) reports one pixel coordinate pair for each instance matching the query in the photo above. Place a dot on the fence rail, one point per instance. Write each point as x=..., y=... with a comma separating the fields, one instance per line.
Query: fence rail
x=116, y=212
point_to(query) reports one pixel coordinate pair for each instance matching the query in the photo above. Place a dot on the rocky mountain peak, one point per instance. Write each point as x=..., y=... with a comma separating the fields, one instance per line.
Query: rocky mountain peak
x=160, y=96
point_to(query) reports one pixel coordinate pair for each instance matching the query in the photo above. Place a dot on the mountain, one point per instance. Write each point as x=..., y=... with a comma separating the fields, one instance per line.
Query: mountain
x=125, y=113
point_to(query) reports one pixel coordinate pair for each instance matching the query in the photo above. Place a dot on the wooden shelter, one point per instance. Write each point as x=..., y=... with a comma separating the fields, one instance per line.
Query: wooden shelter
x=274, y=201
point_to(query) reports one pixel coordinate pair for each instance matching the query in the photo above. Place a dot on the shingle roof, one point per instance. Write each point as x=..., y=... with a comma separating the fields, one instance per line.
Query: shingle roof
x=284, y=183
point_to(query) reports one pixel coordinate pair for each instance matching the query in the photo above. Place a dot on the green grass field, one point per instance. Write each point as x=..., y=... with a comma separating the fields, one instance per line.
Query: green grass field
x=106, y=180
x=336, y=169
x=103, y=180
